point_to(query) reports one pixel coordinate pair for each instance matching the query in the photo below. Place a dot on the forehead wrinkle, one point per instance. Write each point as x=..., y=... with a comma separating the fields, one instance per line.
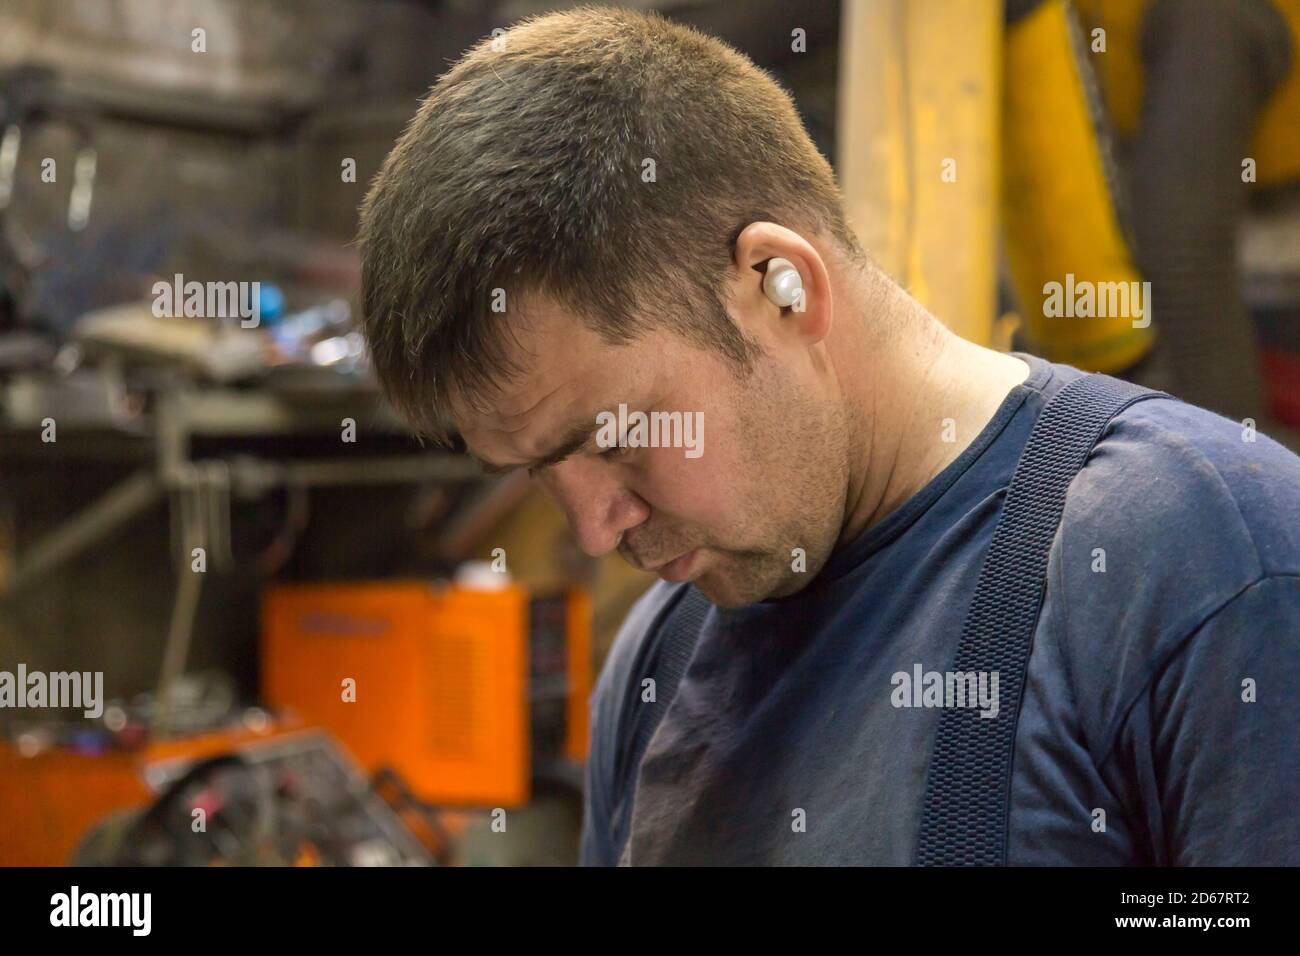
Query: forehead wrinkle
x=570, y=439
x=574, y=418
x=555, y=438
x=588, y=377
x=594, y=375
x=576, y=433
x=510, y=417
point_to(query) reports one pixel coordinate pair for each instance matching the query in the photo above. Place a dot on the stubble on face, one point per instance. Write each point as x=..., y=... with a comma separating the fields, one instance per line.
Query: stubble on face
x=789, y=488
x=774, y=478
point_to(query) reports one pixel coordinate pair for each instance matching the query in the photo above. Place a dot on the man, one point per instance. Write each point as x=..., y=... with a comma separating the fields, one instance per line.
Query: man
x=577, y=227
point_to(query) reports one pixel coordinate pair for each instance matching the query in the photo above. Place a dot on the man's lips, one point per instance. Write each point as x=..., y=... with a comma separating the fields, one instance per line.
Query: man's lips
x=678, y=569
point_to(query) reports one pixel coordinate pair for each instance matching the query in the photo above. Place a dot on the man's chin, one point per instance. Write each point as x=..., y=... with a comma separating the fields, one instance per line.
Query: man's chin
x=726, y=592
x=734, y=580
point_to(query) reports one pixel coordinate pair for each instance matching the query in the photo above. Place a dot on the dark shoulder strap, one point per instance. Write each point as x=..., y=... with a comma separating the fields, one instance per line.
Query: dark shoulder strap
x=968, y=785
x=668, y=649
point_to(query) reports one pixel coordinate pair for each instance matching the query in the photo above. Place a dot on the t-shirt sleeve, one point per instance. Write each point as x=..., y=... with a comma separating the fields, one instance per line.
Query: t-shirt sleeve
x=597, y=843
x=1212, y=744
x=600, y=842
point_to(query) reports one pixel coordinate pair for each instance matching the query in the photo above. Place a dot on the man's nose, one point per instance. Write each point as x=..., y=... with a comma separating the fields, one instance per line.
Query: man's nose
x=597, y=504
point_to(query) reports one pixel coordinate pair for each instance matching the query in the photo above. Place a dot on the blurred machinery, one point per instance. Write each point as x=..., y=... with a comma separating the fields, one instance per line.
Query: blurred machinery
x=988, y=148
x=1205, y=98
x=1063, y=203
x=969, y=130
x=200, y=457
x=392, y=705
x=295, y=800
x=271, y=795
x=468, y=694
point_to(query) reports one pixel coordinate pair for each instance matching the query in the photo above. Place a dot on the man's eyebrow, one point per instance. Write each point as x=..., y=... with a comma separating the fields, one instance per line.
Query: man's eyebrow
x=577, y=436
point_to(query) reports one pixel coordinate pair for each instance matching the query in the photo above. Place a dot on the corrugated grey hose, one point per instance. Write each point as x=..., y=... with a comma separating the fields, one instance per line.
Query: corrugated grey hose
x=1210, y=67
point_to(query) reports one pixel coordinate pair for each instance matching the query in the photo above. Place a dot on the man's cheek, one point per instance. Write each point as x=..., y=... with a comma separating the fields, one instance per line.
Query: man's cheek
x=701, y=497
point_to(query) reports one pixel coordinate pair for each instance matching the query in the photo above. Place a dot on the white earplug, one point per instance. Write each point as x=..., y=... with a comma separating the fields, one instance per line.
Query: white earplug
x=782, y=284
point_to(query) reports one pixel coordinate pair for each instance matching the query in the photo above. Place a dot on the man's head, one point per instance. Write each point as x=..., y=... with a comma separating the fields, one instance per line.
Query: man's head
x=579, y=218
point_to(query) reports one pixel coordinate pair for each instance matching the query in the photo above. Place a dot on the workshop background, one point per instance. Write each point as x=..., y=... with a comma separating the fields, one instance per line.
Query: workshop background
x=322, y=644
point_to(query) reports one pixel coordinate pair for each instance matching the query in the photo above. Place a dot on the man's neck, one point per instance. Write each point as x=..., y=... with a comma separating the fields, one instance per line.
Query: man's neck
x=915, y=405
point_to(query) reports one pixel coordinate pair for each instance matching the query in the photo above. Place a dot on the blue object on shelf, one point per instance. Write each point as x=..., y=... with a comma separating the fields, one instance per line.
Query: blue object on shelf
x=270, y=302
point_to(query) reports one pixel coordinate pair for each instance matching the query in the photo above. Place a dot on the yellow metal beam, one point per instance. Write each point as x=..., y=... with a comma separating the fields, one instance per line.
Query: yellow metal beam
x=919, y=148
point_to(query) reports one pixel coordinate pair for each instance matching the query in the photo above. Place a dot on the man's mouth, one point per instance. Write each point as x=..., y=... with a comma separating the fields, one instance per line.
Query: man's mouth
x=678, y=569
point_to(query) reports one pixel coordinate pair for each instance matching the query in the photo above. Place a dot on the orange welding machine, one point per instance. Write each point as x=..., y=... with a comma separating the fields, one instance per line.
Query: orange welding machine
x=463, y=692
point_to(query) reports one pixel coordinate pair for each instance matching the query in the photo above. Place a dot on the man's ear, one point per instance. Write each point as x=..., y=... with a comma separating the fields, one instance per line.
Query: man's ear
x=809, y=317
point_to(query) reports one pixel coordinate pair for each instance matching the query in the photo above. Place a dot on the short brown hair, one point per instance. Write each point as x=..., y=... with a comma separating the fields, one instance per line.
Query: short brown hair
x=523, y=171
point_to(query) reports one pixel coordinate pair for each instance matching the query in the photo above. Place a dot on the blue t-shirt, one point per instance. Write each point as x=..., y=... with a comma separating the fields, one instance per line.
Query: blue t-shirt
x=1160, y=722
